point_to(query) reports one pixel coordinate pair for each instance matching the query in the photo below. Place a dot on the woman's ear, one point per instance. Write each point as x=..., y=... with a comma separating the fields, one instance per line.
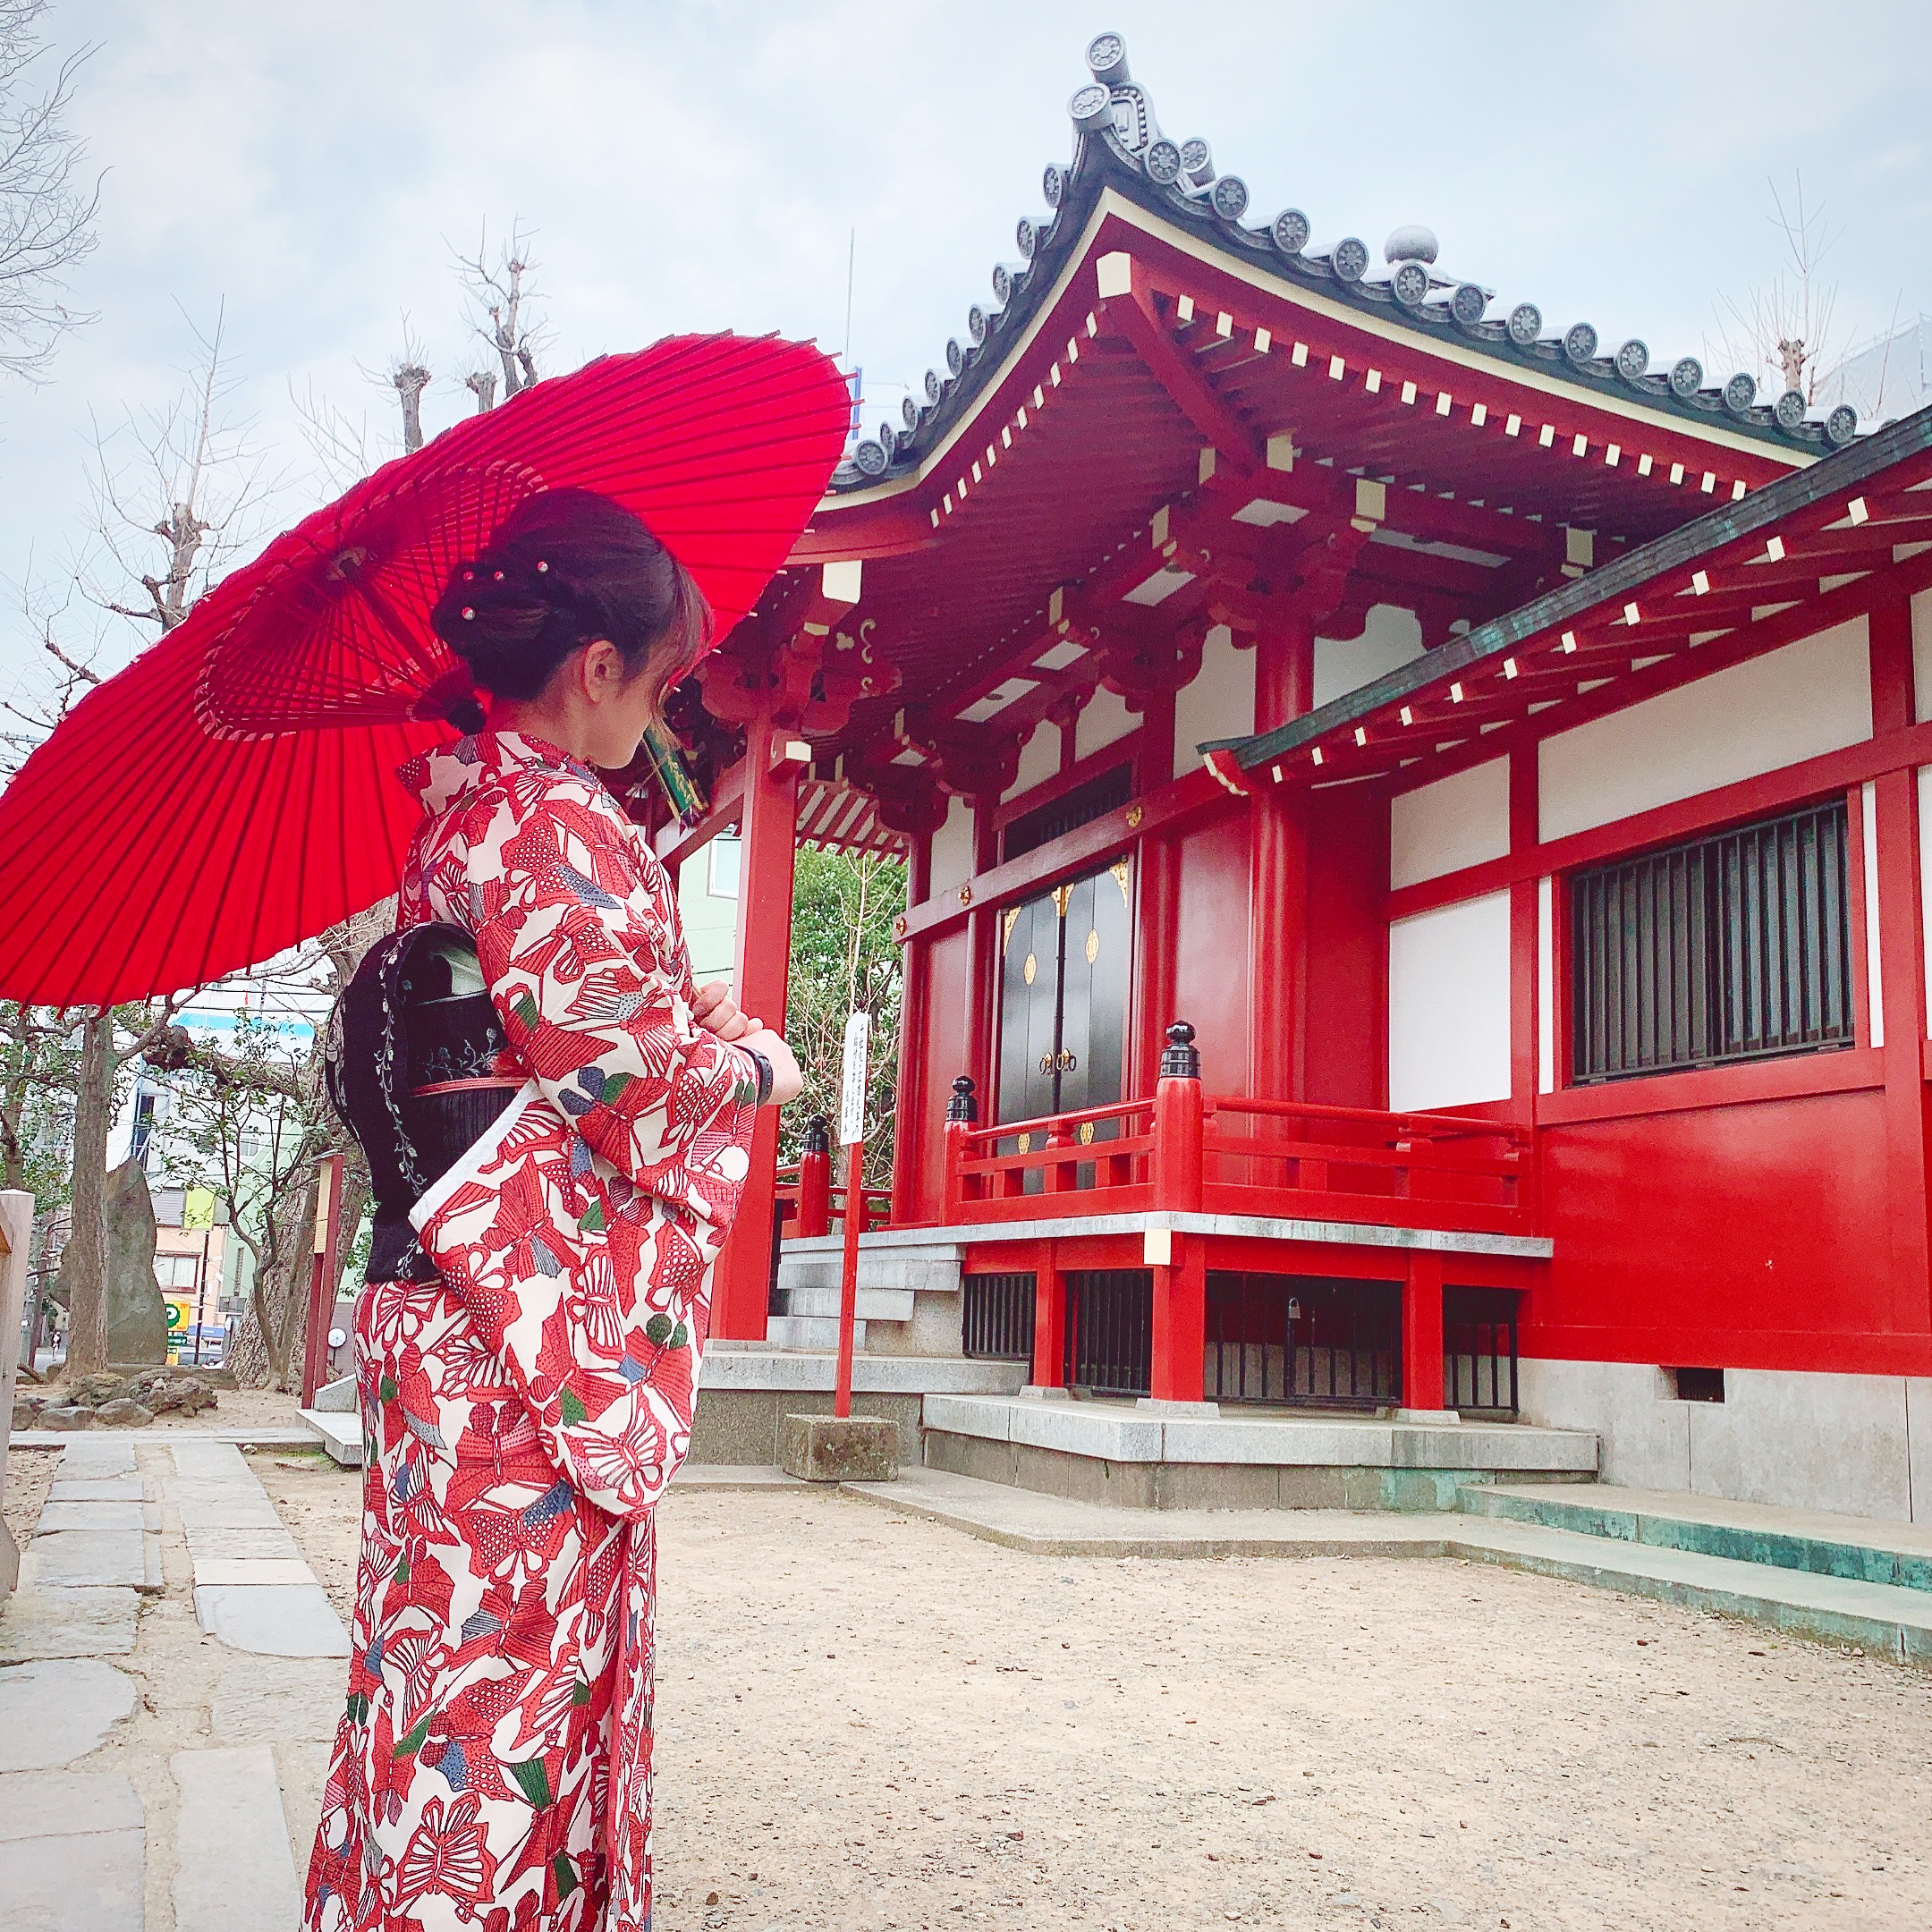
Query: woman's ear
x=601, y=670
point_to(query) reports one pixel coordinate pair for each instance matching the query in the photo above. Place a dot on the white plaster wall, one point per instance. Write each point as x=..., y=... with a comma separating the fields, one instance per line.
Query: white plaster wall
x=953, y=849
x=1921, y=623
x=1391, y=638
x=1458, y=821
x=1858, y=1445
x=1807, y=698
x=1039, y=760
x=1104, y=720
x=1449, y=1005
x=1218, y=704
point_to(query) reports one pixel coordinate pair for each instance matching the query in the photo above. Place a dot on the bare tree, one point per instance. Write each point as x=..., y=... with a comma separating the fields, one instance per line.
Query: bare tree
x=196, y=481
x=498, y=294
x=1786, y=326
x=46, y=209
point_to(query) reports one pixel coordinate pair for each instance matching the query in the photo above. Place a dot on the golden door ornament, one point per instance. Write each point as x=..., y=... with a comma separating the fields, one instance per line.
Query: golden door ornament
x=1093, y=944
x=1119, y=869
x=1061, y=894
x=1029, y=969
x=1009, y=919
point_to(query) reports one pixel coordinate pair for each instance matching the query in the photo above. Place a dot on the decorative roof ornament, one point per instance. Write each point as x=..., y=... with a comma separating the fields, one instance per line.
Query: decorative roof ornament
x=1118, y=143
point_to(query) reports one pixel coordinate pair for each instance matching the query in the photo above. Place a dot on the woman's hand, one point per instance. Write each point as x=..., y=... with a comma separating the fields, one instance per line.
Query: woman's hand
x=714, y=1009
x=787, y=1082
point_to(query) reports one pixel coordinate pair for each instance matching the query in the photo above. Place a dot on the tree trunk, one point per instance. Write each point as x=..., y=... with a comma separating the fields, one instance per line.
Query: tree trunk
x=84, y=1261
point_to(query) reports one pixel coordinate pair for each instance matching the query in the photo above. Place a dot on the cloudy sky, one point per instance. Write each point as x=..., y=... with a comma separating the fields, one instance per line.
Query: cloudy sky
x=308, y=170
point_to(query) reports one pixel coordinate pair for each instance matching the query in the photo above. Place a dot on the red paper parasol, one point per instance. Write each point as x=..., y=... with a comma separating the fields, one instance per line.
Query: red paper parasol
x=233, y=791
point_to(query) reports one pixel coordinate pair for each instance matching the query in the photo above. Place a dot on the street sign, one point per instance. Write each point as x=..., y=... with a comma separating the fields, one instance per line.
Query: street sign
x=853, y=1093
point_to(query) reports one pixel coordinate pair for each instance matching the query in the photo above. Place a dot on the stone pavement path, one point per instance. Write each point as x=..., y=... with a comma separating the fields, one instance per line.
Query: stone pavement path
x=170, y=1675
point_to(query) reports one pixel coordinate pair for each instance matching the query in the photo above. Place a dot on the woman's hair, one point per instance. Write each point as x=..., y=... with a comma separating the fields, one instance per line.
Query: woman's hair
x=566, y=566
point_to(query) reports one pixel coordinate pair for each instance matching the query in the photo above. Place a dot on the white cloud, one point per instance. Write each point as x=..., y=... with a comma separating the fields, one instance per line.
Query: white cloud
x=701, y=165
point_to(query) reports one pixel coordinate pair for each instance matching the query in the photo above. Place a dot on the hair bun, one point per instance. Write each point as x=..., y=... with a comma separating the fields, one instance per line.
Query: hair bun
x=490, y=615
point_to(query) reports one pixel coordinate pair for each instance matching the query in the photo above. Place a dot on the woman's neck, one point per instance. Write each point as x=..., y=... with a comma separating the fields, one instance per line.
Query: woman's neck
x=532, y=717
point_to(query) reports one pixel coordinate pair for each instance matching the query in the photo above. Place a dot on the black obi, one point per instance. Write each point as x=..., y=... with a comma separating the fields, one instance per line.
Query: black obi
x=414, y=1063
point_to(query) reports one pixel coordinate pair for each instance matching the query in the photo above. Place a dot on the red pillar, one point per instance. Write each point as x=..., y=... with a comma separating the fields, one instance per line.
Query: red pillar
x=1180, y=1346
x=1278, y=875
x=767, y=828
x=982, y=926
x=1422, y=1331
x=1050, y=1320
x=911, y=1125
x=1902, y=970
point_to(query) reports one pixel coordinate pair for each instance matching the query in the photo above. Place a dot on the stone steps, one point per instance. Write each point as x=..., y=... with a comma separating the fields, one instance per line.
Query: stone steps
x=1820, y=1544
x=813, y=1332
x=823, y=1299
x=1883, y=1620
x=341, y=1433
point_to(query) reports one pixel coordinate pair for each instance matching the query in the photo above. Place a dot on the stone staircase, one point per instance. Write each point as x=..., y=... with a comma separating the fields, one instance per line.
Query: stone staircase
x=1853, y=1549
x=908, y=1302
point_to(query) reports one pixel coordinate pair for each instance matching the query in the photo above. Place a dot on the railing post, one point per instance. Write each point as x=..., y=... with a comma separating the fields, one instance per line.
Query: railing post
x=1061, y=1175
x=963, y=1112
x=1178, y=1115
x=1177, y=1363
x=815, y=1178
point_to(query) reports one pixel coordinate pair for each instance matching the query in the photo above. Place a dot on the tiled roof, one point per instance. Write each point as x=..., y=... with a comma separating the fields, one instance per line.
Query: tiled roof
x=1118, y=143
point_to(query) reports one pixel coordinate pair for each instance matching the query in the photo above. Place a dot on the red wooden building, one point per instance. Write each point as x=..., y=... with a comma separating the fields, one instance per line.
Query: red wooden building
x=1503, y=751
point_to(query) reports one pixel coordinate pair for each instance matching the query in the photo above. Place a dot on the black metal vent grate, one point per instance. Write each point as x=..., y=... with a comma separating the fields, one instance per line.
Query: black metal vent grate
x=1735, y=947
x=997, y=1318
x=1299, y=1339
x=1110, y=1331
x=1479, y=1350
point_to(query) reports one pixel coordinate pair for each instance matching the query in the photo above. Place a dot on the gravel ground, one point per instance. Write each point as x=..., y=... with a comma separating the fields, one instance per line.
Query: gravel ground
x=869, y=1722
x=29, y=1474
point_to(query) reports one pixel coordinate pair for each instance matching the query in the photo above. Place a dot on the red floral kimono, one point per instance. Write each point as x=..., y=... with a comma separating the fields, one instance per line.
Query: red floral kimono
x=523, y=1413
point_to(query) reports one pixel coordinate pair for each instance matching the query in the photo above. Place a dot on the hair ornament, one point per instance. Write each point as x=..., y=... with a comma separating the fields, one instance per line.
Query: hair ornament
x=541, y=566
x=469, y=615
x=497, y=575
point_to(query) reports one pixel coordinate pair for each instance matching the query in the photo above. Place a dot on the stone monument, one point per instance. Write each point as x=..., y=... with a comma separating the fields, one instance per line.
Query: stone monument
x=137, y=1315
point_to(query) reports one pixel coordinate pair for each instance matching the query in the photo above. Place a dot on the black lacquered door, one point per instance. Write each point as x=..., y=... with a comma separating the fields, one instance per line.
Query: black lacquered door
x=1063, y=989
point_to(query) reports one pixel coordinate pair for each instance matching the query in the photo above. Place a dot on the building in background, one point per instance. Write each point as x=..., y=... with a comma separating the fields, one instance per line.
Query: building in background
x=1417, y=901
x=1886, y=379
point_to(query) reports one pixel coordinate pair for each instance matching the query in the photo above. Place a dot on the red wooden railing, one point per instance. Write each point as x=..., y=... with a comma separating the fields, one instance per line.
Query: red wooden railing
x=806, y=1201
x=1185, y=1151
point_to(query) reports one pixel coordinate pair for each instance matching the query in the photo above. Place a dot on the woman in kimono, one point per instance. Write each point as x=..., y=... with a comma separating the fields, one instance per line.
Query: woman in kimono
x=528, y=1341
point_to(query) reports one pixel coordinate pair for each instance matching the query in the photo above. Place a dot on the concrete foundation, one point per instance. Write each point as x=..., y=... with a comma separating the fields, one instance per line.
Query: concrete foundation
x=832, y=1449
x=1121, y=1453
x=1861, y=1445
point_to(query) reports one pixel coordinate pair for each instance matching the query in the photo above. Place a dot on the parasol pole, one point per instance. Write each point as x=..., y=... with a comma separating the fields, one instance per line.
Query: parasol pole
x=852, y=1132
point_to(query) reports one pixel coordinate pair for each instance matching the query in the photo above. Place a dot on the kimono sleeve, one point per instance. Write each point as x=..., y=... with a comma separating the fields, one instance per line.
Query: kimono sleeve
x=577, y=944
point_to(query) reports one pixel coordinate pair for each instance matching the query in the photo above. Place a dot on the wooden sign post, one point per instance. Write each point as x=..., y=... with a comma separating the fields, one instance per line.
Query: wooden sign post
x=851, y=1134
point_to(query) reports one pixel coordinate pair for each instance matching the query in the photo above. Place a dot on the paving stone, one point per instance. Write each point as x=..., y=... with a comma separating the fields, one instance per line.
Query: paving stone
x=271, y=1700
x=273, y=1618
x=226, y=1511
x=89, y=1516
x=88, y=1559
x=103, y=1489
x=231, y=1799
x=220, y=1461
x=89, y=1460
x=57, y=1804
x=217, y=1540
x=39, y=1623
x=251, y=1570
x=79, y=1882
x=60, y=1709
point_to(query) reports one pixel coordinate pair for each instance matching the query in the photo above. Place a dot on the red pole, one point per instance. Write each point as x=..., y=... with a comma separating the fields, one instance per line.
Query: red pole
x=849, y=1273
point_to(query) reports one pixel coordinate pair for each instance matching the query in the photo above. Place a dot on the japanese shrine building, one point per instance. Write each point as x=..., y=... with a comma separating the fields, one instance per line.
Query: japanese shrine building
x=1504, y=750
